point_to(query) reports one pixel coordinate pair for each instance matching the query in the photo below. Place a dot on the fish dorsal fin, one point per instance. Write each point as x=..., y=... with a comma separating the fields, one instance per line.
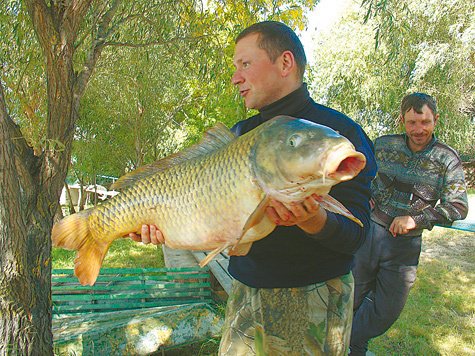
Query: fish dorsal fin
x=213, y=139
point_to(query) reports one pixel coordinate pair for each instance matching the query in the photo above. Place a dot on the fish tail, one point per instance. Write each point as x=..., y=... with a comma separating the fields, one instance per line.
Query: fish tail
x=73, y=233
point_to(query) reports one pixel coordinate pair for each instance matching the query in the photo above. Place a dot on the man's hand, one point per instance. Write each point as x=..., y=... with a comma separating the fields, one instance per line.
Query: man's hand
x=372, y=204
x=149, y=234
x=308, y=215
x=402, y=225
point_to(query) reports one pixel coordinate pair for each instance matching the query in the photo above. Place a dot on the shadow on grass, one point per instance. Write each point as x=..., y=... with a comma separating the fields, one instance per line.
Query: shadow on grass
x=206, y=348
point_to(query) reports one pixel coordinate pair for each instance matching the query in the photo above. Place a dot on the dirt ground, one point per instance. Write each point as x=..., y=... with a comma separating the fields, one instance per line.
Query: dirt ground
x=452, y=246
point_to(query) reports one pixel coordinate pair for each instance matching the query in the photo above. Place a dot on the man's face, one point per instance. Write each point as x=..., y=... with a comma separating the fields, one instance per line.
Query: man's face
x=419, y=127
x=258, y=79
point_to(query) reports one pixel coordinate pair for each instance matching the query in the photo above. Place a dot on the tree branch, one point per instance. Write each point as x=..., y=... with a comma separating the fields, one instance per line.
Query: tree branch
x=43, y=24
x=74, y=13
x=95, y=50
x=153, y=43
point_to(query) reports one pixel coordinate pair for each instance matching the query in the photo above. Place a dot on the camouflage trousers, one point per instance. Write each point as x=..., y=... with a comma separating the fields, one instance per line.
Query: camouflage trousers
x=311, y=320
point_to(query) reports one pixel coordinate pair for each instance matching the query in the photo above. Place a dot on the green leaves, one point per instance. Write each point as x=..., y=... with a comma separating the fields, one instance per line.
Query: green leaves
x=365, y=69
x=160, y=76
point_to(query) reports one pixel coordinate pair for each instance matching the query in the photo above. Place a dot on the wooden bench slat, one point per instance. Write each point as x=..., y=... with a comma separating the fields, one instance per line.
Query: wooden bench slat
x=130, y=288
x=219, y=268
x=62, y=288
x=81, y=308
x=106, y=270
x=126, y=303
x=139, y=295
x=114, y=278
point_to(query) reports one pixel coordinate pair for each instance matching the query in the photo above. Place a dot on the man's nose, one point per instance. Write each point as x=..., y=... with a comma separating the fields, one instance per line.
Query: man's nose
x=419, y=127
x=237, y=78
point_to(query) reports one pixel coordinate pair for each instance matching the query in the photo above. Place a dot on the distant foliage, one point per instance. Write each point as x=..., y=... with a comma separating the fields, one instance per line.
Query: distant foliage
x=162, y=78
x=385, y=49
x=469, y=169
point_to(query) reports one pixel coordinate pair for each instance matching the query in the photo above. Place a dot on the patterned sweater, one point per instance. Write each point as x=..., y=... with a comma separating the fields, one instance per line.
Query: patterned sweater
x=428, y=185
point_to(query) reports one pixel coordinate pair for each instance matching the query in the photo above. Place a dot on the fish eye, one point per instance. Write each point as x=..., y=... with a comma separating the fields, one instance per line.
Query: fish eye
x=295, y=140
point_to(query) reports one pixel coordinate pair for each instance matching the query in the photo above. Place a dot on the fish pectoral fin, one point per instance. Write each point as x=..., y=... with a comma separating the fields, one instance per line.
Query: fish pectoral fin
x=240, y=250
x=255, y=218
x=331, y=204
x=254, y=221
x=212, y=255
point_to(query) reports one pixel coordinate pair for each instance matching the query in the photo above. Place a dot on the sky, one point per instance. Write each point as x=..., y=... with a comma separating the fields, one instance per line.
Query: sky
x=321, y=19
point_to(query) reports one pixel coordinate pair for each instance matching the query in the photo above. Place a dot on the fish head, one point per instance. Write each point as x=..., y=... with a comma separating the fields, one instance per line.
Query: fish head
x=295, y=158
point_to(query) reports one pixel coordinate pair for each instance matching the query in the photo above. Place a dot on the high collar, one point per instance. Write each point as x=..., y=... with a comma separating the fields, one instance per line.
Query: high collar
x=288, y=105
x=428, y=147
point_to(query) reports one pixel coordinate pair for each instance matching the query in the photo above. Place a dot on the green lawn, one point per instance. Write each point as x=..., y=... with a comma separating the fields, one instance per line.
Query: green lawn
x=439, y=318
x=122, y=253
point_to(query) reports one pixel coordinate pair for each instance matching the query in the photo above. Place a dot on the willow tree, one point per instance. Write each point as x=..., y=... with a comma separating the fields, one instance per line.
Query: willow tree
x=36, y=134
x=387, y=48
x=159, y=98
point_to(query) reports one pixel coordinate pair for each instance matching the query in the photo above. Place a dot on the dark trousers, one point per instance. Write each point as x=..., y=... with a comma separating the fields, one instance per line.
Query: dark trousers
x=385, y=270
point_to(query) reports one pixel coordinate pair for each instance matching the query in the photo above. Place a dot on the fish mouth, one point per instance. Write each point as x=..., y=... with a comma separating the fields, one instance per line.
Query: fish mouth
x=341, y=165
x=344, y=164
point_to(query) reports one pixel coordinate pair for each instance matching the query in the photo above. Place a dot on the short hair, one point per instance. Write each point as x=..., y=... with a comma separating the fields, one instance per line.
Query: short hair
x=275, y=38
x=416, y=101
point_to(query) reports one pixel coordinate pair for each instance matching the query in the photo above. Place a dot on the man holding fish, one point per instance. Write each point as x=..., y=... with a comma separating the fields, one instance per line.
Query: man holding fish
x=293, y=290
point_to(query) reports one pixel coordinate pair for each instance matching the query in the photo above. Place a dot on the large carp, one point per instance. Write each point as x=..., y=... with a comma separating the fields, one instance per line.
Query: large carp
x=213, y=195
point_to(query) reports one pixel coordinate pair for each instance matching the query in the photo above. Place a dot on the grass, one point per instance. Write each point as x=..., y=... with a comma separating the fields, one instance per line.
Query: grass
x=439, y=318
x=122, y=253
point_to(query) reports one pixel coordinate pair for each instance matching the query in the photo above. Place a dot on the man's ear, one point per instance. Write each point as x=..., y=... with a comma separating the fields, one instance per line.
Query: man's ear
x=288, y=63
x=401, y=119
x=400, y=122
x=436, y=118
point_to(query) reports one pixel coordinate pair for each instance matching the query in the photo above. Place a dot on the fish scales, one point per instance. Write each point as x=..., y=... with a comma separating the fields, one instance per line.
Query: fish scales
x=214, y=195
x=208, y=189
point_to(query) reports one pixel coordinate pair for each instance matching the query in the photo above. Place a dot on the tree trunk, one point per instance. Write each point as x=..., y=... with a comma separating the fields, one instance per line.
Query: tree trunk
x=82, y=196
x=30, y=185
x=25, y=261
x=72, y=209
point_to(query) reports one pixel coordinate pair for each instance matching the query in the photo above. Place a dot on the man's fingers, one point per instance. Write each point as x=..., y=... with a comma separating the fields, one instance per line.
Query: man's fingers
x=394, y=229
x=156, y=236
x=148, y=234
x=145, y=234
x=281, y=211
x=298, y=210
x=135, y=237
x=272, y=214
x=291, y=214
x=275, y=215
x=311, y=205
x=308, y=208
x=159, y=237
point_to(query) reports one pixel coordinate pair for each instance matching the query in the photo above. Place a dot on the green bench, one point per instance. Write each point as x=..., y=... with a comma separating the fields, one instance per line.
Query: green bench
x=132, y=310
x=464, y=225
